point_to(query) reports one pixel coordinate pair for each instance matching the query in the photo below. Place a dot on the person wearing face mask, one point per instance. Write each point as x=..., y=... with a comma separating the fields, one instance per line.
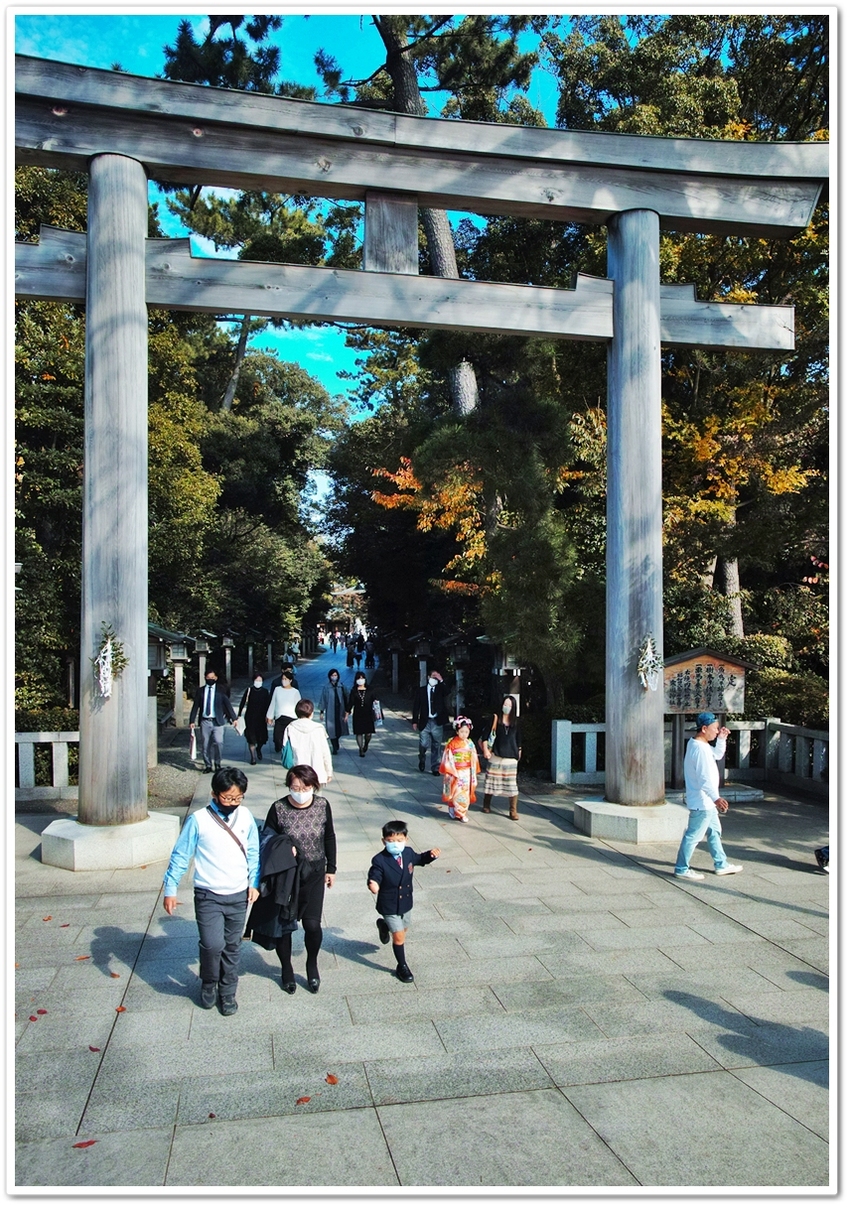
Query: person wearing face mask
x=212, y=705
x=305, y=821
x=332, y=710
x=430, y=718
x=361, y=709
x=222, y=839
x=255, y=705
x=505, y=745
x=390, y=878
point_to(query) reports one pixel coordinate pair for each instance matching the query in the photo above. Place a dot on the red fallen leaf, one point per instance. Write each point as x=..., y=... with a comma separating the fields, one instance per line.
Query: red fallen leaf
x=62, y=925
x=33, y=1018
x=17, y=965
x=331, y=1080
x=84, y=1144
x=117, y=975
x=298, y=1101
x=82, y=957
x=49, y=918
x=41, y=1011
x=211, y=1115
x=120, y=1009
x=91, y=1049
x=531, y=848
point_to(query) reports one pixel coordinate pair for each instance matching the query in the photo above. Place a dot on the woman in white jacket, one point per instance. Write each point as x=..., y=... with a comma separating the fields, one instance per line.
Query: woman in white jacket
x=309, y=742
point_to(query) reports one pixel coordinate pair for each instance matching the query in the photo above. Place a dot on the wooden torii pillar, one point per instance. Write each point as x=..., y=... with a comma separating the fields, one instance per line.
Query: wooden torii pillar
x=122, y=127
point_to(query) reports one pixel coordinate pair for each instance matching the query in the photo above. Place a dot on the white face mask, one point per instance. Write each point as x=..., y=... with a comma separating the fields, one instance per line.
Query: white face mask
x=507, y=706
x=258, y=683
x=432, y=682
x=301, y=798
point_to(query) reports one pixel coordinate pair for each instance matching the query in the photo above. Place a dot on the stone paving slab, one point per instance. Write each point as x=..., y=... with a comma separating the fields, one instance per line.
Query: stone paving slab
x=548, y=962
x=330, y=1149
x=534, y=1138
x=699, y=1125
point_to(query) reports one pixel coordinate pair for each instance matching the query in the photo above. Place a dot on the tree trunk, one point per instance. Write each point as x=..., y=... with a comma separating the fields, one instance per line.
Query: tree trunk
x=230, y=392
x=408, y=99
x=728, y=580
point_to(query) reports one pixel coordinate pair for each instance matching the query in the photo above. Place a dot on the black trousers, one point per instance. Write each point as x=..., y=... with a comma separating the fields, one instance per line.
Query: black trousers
x=221, y=921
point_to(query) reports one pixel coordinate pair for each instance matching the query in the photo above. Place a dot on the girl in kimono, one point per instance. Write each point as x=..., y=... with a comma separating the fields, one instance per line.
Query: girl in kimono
x=460, y=770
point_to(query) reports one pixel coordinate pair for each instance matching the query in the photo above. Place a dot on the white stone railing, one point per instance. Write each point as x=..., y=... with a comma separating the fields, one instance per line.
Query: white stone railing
x=765, y=751
x=59, y=788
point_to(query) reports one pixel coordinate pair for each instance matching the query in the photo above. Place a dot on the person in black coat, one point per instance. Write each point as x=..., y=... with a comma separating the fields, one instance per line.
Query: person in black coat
x=430, y=717
x=361, y=710
x=212, y=705
x=391, y=880
x=255, y=705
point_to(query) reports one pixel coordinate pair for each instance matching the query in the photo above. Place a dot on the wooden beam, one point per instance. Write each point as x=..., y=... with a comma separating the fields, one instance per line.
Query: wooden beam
x=215, y=153
x=391, y=233
x=55, y=268
x=68, y=83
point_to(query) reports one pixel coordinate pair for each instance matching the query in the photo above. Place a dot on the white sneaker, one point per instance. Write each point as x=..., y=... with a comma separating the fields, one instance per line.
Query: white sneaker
x=689, y=874
x=729, y=870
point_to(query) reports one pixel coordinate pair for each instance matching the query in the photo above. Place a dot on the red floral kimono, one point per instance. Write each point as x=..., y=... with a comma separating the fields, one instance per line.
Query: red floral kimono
x=460, y=768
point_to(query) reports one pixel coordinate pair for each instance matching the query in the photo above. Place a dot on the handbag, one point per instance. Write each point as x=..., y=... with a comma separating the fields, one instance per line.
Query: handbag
x=287, y=758
x=377, y=713
x=193, y=744
x=239, y=726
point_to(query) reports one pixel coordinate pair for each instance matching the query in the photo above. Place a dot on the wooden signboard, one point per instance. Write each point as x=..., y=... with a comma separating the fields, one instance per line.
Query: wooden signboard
x=704, y=680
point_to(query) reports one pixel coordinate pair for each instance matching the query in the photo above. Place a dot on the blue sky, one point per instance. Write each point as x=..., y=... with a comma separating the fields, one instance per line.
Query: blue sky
x=136, y=41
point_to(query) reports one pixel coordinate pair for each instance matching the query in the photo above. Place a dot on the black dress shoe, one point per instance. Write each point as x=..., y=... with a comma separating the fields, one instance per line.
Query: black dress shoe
x=218, y=767
x=383, y=930
x=207, y=769
x=313, y=984
x=435, y=773
x=229, y=1005
x=404, y=974
x=260, y=755
x=253, y=762
x=209, y=993
x=288, y=986
x=421, y=764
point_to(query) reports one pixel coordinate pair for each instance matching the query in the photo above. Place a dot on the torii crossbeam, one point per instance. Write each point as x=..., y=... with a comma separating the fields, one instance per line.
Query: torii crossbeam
x=125, y=129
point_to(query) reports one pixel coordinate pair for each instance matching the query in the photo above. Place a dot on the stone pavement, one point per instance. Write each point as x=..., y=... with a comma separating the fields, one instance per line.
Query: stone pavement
x=579, y=1018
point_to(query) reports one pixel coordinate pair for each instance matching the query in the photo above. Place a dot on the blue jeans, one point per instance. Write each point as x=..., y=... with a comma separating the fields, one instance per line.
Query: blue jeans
x=431, y=735
x=702, y=823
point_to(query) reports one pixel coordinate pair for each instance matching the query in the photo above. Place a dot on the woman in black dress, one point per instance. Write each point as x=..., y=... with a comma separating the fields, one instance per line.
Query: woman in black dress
x=255, y=704
x=305, y=819
x=360, y=706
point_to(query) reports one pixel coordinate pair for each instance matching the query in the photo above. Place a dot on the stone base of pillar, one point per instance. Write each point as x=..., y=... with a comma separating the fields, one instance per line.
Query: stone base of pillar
x=630, y=823
x=600, y=818
x=67, y=844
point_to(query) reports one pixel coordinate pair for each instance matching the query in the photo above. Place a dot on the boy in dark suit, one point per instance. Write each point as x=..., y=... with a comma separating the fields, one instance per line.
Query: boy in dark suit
x=391, y=880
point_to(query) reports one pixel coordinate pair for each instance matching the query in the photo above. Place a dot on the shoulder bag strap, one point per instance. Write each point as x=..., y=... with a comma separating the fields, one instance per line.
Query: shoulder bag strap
x=227, y=830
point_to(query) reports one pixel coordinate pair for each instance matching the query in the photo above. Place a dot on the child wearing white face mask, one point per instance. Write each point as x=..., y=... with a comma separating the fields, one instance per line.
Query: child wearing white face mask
x=255, y=706
x=391, y=880
x=505, y=745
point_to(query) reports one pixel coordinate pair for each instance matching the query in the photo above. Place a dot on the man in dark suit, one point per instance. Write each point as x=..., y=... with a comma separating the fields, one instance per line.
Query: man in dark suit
x=213, y=706
x=430, y=716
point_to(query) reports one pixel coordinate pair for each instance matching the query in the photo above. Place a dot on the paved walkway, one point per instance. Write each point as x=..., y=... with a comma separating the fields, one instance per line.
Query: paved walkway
x=579, y=1018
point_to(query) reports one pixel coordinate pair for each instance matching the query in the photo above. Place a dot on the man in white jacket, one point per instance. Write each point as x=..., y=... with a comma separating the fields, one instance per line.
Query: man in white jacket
x=702, y=796
x=309, y=742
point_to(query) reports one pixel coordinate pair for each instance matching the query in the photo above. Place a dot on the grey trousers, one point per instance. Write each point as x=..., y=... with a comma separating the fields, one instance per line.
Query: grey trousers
x=212, y=740
x=221, y=922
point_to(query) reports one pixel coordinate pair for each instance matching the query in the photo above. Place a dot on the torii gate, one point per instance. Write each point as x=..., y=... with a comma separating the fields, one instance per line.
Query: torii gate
x=123, y=129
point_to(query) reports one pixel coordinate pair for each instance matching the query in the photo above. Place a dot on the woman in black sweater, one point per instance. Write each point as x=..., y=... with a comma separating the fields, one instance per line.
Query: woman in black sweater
x=506, y=751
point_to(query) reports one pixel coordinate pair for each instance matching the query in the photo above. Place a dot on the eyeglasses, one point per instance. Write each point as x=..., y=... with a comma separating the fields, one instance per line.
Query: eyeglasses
x=232, y=799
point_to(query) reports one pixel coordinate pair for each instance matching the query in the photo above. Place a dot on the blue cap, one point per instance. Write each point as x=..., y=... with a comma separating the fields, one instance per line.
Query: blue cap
x=705, y=718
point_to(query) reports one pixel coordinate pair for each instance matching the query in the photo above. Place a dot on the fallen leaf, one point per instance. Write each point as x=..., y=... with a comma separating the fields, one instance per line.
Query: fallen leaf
x=116, y=975
x=41, y=1011
x=62, y=925
x=82, y=957
x=331, y=1080
x=17, y=965
x=298, y=1101
x=530, y=848
x=84, y=1144
x=91, y=1049
x=211, y=1115
x=33, y=1018
x=49, y=918
x=120, y=1009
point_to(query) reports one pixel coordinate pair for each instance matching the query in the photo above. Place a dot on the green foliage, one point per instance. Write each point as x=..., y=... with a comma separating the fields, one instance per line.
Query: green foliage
x=762, y=649
x=795, y=699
